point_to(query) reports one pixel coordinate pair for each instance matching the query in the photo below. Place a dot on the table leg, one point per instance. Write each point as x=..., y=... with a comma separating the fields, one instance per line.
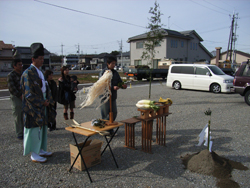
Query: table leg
x=130, y=135
x=108, y=145
x=147, y=127
x=80, y=153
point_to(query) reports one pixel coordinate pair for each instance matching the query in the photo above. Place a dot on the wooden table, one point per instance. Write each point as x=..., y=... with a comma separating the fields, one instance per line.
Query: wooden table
x=147, y=130
x=130, y=132
x=89, y=133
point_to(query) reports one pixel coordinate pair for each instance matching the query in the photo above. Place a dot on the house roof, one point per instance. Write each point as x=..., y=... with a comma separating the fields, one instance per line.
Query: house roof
x=26, y=50
x=102, y=55
x=206, y=50
x=190, y=32
x=5, y=46
x=124, y=54
x=168, y=32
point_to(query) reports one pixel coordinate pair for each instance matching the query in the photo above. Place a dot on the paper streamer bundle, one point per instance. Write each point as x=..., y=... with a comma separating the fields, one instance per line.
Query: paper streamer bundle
x=99, y=91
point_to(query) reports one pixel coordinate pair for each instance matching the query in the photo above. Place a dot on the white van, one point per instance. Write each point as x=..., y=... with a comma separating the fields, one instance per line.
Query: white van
x=199, y=77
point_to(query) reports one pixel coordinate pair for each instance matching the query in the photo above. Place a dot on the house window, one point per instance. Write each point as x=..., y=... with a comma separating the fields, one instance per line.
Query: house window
x=137, y=62
x=139, y=45
x=190, y=45
x=182, y=44
x=174, y=43
x=155, y=63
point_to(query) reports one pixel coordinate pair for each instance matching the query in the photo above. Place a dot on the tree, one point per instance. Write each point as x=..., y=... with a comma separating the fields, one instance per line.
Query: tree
x=115, y=53
x=154, y=38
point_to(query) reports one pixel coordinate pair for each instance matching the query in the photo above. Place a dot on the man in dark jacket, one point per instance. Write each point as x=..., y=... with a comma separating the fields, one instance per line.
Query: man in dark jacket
x=115, y=81
x=13, y=79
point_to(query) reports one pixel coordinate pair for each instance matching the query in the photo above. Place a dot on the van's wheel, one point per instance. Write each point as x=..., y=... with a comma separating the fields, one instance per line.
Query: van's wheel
x=247, y=97
x=215, y=88
x=177, y=85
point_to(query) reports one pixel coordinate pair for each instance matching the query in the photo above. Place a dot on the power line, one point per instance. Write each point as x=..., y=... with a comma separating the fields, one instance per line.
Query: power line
x=217, y=6
x=214, y=30
x=208, y=8
x=88, y=13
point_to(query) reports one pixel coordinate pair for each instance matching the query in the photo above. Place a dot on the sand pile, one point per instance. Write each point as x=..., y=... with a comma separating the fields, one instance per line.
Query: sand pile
x=208, y=163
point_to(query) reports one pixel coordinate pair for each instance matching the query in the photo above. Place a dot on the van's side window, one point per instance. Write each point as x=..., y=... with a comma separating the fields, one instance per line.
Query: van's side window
x=201, y=71
x=176, y=69
x=246, y=71
x=182, y=70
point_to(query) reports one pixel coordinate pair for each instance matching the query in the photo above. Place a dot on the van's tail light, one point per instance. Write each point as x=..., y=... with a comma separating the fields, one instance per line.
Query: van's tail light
x=234, y=82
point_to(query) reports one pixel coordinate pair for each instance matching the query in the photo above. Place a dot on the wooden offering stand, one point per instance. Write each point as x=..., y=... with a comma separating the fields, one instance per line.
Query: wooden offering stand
x=147, y=117
x=130, y=132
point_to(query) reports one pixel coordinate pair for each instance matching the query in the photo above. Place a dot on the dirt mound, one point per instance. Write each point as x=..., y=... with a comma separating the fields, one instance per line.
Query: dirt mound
x=208, y=163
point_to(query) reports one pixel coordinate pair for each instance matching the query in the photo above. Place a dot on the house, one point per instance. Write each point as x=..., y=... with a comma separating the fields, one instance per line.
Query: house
x=25, y=54
x=71, y=60
x=85, y=60
x=55, y=62
x=6, y=56
x=221, y=58
x=184, y=46
x=123, y=59
x=99, y=61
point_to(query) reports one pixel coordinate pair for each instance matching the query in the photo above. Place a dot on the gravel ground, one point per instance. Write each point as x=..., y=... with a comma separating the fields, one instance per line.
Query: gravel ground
x=163, y=168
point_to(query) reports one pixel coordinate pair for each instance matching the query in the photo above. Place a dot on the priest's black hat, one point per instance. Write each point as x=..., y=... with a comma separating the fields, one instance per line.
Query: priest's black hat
x=37, y=50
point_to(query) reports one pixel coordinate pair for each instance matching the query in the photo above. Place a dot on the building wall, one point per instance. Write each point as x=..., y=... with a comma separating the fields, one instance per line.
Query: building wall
x=171, y=48
x=239, y=58
x=176, y=52
x=6, y=60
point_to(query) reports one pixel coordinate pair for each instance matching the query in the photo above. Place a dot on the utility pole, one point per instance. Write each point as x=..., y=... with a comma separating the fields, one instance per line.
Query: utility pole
x=232, y=39
x=63, y=61
x=121, y=53
x=78, y=53
x=62, y=49
x=168, y=22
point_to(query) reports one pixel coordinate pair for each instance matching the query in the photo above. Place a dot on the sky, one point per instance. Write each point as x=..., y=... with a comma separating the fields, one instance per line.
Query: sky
x=96, y=26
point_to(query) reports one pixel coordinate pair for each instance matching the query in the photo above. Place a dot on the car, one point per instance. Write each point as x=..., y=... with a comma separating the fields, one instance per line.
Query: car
x=121, y=67
x=242, y=81
x=199, y=77
x=228, y=71
x=75, y=68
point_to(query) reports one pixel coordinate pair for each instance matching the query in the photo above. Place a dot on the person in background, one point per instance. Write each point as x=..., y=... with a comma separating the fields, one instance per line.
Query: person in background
x=66, y=95
x=13, y=80
x=36, y=97
x=52, y=108
x=115, y=81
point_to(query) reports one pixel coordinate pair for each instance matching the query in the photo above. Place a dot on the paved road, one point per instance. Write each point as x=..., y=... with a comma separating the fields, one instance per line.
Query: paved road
x=162, y=168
